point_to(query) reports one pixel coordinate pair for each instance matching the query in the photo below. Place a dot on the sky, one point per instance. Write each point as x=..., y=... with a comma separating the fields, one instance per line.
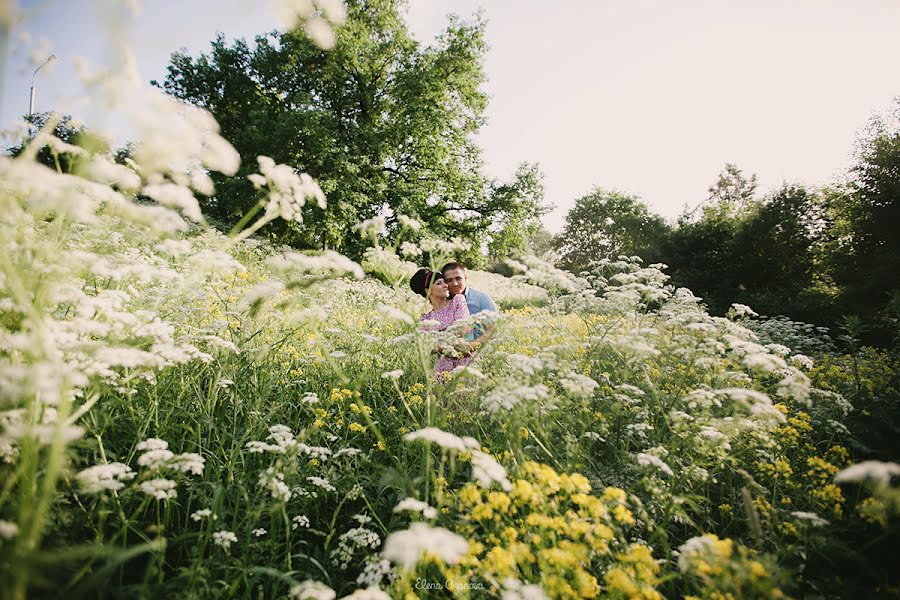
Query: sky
x=648, y=97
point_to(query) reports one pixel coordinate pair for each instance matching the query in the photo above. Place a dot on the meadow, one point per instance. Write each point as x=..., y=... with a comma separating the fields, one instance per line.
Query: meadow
x=198, y=414
x=192, y=414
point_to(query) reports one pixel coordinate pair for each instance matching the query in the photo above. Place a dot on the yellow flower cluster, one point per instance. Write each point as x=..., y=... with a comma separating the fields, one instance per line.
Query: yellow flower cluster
x=550, y=529
x=719, y=569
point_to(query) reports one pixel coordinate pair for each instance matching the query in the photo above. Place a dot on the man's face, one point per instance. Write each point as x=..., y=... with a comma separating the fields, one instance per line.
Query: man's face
x=456, y=280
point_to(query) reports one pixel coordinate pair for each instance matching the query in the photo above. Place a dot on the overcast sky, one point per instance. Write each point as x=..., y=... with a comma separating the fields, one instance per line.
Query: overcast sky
x=650, y=97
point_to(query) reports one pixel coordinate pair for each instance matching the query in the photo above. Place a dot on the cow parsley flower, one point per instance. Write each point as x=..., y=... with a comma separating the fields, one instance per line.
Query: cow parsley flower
x=407, y=546
x=99, y=478
x=161, y=489
x=8, y=530
x=224, y=539
x=874, y=470
x=200, y=514
x=413, y=505
x=312, y=590
x=645, y=460
x=442, y=439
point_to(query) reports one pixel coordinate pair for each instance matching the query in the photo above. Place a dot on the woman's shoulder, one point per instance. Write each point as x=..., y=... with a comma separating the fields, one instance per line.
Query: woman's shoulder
x=457, y=300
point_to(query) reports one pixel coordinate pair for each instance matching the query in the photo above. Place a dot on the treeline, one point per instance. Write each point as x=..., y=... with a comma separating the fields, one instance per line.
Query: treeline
x=386, y=126
x=828, y=255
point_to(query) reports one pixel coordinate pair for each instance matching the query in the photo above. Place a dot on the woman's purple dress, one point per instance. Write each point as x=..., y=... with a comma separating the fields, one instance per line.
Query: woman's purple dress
x=456, y=309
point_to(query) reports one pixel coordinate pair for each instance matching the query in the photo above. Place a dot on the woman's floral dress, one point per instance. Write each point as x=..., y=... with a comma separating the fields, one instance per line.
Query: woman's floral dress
x=455, y=310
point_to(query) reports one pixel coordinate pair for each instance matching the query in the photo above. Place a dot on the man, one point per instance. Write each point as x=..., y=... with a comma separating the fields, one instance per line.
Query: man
x=458, y=281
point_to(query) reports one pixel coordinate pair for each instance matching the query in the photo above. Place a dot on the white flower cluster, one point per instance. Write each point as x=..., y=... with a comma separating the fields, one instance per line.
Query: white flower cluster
x=312, y=590
x=578, y=385
x=288, y=191
x=513, y=589
x=273, y=481
x=101, y=478
x=302, y=269
x=156, y=456
x=485, y=469
x=869, y=470
x=8, y=530
x=644, y=459
x=161, y=489
x=351, y=541
x=406, y=547
x=417, y=506
x=511, y=395
x=224, y=539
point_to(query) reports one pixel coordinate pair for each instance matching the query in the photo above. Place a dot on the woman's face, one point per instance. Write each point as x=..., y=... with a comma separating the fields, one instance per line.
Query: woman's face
x=439, y=290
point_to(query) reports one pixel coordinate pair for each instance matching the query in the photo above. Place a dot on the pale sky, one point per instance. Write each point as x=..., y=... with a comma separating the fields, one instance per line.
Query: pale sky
x=650, y=97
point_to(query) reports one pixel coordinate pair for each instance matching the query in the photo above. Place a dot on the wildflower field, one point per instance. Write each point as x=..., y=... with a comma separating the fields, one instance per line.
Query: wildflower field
x=187, y=414
x=193, y=414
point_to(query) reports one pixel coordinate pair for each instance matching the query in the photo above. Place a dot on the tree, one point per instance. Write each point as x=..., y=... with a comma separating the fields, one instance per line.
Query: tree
x=384, y=124
x=513, y=230
x=608, y=224
x=777, y=255
x=66, y=129
x=865, y=250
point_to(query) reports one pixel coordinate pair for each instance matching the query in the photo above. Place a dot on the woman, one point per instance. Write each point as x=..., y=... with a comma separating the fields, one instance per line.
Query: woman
x=445, y=310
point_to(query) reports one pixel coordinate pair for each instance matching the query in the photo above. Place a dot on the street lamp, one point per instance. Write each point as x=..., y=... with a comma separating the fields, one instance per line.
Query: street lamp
x=50, y=58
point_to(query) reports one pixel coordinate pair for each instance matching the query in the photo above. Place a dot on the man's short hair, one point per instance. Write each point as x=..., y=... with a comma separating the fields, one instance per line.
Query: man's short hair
x=453, y=265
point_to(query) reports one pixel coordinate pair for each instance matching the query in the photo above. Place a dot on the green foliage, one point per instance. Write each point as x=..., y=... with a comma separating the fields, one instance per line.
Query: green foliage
x=607, y=224
x=65, y=129
x=865, y=257
x=384, y=124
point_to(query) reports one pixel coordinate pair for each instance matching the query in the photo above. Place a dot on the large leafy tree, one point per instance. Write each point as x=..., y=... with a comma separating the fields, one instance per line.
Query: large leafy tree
x=606, y=224
x=865, y=246
x=383, y=123
x=778, y=255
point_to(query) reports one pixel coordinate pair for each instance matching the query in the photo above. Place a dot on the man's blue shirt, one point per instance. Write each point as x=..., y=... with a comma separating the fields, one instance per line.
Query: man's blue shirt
x=478, y=301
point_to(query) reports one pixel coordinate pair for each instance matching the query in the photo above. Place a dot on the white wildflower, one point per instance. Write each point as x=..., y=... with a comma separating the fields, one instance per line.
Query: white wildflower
x=370, y=593
x=155, y=459
x=406, y=547
x=224, y=539
x=200, y=514
x=99, y=478
x=874, y=470
x=8, y=530
x=410, y=249
x=153, y=444
x=299, y=521
x=645, y=460
x=507, y=398
x=577, y=385
x=312, y=590
x=486, y=471
x=392, y=375
x=442, y=439
x=259, y=532
x=413, y=505
x=513, y=589
x=161, y=489
x=188, y=462
x=409, y=222
x=322, y=483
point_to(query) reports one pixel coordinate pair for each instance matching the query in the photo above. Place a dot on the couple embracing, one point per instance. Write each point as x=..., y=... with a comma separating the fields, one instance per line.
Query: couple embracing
x=451, y=299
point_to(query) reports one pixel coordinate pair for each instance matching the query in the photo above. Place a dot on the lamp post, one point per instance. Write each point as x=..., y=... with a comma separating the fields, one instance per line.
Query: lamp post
x=50, y=58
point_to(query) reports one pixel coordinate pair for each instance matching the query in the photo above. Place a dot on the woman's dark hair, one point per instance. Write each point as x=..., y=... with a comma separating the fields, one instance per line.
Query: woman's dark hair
x=422, y=280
